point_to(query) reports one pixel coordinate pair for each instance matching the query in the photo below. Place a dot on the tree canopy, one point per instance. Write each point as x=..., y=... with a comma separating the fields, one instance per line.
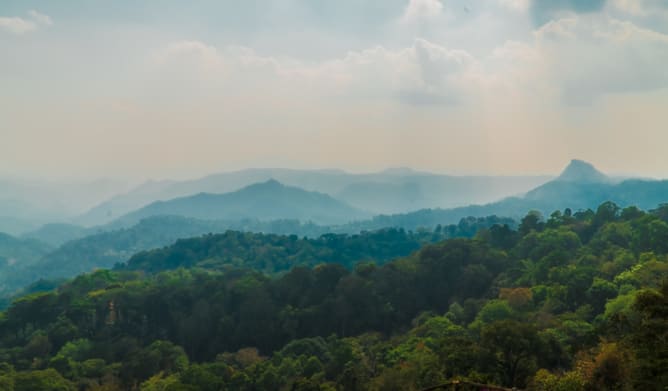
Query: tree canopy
x=575, y=302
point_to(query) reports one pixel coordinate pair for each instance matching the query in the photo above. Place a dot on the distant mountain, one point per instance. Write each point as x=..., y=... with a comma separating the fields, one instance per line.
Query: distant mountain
x=104, y=249
x=383, y=196
x=27, y=204
x=579, y=171
x=396, y=190
x=16, y=253
x=266, y=201
x=121, y=204
x=56, y=234
x=16, y=226
x=579, y=187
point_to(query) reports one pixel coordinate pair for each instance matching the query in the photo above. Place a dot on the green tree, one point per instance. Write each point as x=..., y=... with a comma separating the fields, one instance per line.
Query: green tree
x=45, y=380
x=649, y=338
x=513, y=345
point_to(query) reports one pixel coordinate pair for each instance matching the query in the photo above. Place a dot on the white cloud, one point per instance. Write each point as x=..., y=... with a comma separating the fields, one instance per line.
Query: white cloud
x=641, y=7
x=517, y=5
x=418, y=10
x=18, y=26
x=40, y=18
x=592, y=55
x=188, y=50
x=382, y=101
x=583, y=57
x=422, y=73
x=575, y=59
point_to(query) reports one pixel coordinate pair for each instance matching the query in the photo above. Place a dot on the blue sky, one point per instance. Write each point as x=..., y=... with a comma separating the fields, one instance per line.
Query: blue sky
x=178, y=89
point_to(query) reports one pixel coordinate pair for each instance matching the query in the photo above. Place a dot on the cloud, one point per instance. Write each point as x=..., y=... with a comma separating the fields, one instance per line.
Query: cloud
x=419, y=10
x=583, y=57
x=424, y=73
x=542, y=11
x=517, y=5
x=39, y=18
x=200, y=53
x=641, y=7
x=598, y=55
x=575, y=60
x=18, y=26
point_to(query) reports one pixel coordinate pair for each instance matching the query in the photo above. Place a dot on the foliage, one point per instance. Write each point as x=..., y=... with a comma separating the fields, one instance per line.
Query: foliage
x=104, y=247
x=577, y=302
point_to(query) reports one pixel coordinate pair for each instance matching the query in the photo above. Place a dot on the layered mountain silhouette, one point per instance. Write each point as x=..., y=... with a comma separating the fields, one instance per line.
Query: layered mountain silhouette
x=270, y=200
x=17, y=252
x=56, y=234
x=26, y=204
x=579, y=171
x=271, y=206
x=396, y=190
x=580, y=186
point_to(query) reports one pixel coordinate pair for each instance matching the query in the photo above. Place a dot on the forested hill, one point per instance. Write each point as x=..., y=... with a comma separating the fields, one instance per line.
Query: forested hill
x=17, y=253
x=105, y=249
x=389, y=191
x=270, y=200
x=276, y=253
x=579, y=187
x=575, y=302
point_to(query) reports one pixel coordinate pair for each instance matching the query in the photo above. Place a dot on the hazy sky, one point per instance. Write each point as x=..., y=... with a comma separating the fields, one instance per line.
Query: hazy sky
x=168, y=88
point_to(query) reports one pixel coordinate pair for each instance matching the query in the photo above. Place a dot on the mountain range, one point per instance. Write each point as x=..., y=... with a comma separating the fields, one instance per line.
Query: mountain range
x=273, y=207
x=398, y=190
x=27, y=204
x=265, y=201
x=579, y=186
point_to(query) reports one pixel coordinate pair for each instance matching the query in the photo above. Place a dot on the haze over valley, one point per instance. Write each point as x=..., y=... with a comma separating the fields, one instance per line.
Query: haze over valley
x=351, y=195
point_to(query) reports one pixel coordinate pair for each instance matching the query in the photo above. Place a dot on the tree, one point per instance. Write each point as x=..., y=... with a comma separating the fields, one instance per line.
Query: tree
x=533, y=221
x=649, y=338
x=46, y=380
x=513, y=346
x=607, y=212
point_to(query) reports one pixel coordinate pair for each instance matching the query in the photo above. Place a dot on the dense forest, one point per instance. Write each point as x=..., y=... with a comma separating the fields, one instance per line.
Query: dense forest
x=30, y=261
x=576, y=301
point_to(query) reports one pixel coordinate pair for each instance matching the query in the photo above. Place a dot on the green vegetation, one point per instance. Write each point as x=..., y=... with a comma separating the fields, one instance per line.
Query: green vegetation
x=575, y=302
x=271, y=253
x=57, y=234
x=270, y=200
x=17, y=254
x=105, y=249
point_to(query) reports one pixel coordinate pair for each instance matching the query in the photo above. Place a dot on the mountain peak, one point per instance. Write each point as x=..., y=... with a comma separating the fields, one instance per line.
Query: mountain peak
x=581, y=171
x=269, y=184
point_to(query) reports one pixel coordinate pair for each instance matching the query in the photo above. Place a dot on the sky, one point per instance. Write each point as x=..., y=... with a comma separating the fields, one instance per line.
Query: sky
x=173, y=89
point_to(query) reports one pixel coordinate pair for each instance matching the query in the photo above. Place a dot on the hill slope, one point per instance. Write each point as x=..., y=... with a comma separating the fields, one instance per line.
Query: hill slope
x=17, y=254
x=582, y=172
x=105, y=249
x=269, y=200
x=57, y=234
x=579, y=187
x=408, y=190
x=574, y=303
x=27, y=204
